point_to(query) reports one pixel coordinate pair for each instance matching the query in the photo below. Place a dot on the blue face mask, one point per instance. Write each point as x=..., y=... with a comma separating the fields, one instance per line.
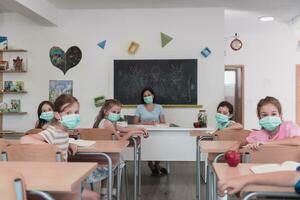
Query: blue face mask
x=222, y=120
x=270, y=123
x=113, y=117
x=148, y=99
x=47, y=116
x=70, y=121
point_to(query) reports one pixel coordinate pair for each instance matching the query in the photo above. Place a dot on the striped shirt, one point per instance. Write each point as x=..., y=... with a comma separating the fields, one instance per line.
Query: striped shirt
x=57, y=137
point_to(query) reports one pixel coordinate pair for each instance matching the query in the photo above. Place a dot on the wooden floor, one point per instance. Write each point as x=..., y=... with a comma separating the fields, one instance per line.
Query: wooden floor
x=179, y=185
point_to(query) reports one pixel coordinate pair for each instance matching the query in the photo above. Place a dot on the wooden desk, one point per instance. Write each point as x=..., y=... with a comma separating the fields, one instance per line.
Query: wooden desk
x=200, y=135
x=218, y=146
x=101, y=148
x=224, y=172
x=107, y=146
x=52, y=176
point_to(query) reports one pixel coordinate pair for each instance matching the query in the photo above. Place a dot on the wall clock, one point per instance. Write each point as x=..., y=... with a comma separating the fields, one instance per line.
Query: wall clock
x=236, y=44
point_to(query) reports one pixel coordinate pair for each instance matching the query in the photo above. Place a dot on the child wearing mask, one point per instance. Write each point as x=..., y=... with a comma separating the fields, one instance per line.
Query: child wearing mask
x=224, y=117
x=274, y=129
x=66, y=116
x=45, y=114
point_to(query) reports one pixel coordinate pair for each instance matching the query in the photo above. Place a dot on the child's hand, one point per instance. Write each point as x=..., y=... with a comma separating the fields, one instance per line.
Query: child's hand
x=145, y=132
x=73, y=148
x=254, y=146
x=73, y=132
x=231, y=186
x=136, y=132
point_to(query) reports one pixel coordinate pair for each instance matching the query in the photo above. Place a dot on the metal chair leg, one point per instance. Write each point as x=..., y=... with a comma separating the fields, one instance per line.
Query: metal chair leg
x=119, y=181
x=92, y=186
x=125, y=179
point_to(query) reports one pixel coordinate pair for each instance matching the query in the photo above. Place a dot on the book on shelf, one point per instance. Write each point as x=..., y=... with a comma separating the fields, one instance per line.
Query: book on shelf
x=13, y=86
x=15, y=105
x=266, y=168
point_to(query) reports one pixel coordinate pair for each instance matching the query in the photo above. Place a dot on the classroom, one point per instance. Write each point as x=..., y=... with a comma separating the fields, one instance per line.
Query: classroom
x=186, y=62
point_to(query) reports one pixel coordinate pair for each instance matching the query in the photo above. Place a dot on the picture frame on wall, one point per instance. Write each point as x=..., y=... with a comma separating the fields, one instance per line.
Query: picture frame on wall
x=59, y=87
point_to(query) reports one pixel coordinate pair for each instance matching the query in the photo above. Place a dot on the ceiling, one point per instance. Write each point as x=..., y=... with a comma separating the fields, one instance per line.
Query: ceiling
x=284, y=10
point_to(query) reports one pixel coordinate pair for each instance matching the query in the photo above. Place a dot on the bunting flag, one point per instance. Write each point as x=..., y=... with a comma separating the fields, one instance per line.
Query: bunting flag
x=165, y=39
x=102, y=44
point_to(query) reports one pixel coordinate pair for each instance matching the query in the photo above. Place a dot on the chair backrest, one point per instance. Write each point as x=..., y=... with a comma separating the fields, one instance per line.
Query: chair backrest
x=33, y=131
x=237, y=135
x=12, y=185
x=272, y=154
x=3, y=144
x=95, y=134
x=31, y=152
x=129, y=119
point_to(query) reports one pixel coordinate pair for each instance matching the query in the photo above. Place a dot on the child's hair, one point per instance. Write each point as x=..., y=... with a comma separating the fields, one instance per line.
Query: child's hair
x=64, y=101
x=226, y=104
x=268, y=100
x=108, y=104
x=142, y=94
x=42, y=122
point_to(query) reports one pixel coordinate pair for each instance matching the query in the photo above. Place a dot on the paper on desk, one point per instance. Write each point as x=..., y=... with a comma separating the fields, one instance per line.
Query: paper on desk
x=81, y=143
x=285, y=166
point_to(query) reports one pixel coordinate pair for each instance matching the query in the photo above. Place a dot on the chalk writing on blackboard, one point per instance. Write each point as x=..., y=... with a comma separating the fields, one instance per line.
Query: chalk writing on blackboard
x=174, y=80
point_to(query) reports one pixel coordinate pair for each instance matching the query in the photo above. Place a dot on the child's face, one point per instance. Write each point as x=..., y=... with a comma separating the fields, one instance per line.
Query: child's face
x=71, y=109
x=46, y=108
x=114, y=109
x=224, y=111
x=268, y=110
x=147, y=93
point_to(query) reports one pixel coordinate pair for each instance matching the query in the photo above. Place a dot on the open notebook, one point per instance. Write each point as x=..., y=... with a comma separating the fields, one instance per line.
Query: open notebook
x=82, y=143
x=285, y=166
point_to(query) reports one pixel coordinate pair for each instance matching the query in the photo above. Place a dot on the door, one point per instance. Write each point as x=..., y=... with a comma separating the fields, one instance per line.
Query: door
x=234, y=90
x=298, y=94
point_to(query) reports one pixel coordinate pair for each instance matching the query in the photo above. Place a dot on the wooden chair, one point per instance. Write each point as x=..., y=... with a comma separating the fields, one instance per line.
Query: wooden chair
x=98, y=134
x=12, y=185
x=129, y=118
x=237, y=135
x=33, y=131
x=31, y=152
x=271, y=154
x=95, y=134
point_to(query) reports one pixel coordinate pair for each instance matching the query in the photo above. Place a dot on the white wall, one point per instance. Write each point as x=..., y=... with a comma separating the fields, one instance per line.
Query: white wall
x=192, y=30
x=269, y=56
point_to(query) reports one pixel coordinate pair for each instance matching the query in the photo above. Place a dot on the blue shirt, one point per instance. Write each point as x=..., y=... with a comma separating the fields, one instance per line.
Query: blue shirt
x=297, y=185
x=146, y=116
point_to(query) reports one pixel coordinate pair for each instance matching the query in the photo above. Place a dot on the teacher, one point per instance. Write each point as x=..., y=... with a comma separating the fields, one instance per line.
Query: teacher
x=149, y=113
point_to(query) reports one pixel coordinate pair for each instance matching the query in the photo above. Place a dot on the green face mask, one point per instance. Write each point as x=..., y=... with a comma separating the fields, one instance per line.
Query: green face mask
x=270, y=123
x=48, y=116
x=70, y=121
x=113, y=117
x=148, y=99
x=222, y=120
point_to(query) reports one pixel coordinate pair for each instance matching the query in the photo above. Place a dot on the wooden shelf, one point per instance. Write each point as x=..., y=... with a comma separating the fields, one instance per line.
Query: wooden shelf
x=13, y=50
x=10, y=132
x=20, y=92
x=12, y=71
x=13, y=113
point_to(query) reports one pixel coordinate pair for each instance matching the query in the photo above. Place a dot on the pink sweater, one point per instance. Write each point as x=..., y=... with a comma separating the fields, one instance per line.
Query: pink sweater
x=286, y=130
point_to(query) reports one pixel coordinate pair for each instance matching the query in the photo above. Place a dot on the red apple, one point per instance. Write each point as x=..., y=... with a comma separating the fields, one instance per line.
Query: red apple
x=233, y=158
x=196, y=124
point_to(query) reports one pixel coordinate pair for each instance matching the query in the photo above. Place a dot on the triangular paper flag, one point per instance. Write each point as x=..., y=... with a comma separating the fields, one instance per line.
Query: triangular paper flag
x=102, y=44
x=165, y=39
